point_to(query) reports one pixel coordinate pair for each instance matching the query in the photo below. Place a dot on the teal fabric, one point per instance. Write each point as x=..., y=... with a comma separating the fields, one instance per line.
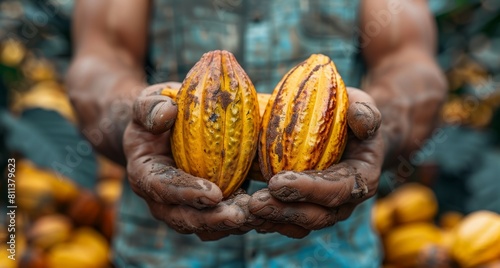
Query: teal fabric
x=267, y=38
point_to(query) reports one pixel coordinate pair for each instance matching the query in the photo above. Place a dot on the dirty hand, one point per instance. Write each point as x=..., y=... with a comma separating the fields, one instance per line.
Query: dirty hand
x=186, y=203
x=297, y=202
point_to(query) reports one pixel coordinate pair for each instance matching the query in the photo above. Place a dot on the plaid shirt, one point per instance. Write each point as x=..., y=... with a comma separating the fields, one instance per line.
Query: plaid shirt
x=267, y=37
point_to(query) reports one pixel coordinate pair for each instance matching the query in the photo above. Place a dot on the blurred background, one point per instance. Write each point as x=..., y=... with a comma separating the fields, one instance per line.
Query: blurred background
x=66, y=193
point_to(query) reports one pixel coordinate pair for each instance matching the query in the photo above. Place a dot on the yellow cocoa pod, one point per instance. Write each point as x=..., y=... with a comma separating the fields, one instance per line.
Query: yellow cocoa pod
x=447, y=238
x=94, y=242
x=450, y=219
x=49, y=95
x=49, y=230
x=169, y=92
x=404, y=244
x=304, y=125
x=263, y=98
x=73, y=255
x=217, y=125
x=35, y=194
x=8, y=256
x=382, y=216
x=12, y=52
x=35, y=181
x=477, y=239
x=109, y=190
x=38, y=69
x=414, y=202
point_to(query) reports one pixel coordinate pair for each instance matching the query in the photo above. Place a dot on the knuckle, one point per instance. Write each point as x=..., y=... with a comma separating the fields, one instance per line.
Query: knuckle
x=335, y=202
x=344, y=213
x=343, y=216
x=342, y=195
x=321, y=221
x=156, y=212
x=180, y=226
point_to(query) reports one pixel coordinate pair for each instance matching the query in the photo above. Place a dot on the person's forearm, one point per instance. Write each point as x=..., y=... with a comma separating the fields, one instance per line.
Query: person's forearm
x=409, y=89
x=102, y=89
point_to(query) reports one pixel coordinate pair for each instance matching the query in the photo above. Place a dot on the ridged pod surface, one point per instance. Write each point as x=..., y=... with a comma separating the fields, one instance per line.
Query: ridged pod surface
x=216, y=130
x=404, y=244
x=304, y=125
x=477, y=239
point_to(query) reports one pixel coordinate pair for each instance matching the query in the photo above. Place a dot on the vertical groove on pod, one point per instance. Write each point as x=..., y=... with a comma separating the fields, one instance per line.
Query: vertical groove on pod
x=242, y=146
x=217, y=140
x=185, y=96
x=301, y=160
x=268, y=135
x=306, y=156
x=336, y=143
x=237, y=97
x=288, y=100
x=296, y=106
x=226, y=99
x=196, y=114
x=250, y=115
x=214, y=135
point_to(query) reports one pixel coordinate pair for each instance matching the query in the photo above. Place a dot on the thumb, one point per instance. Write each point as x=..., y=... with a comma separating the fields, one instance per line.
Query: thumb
x=363, y=117
x=156, y=113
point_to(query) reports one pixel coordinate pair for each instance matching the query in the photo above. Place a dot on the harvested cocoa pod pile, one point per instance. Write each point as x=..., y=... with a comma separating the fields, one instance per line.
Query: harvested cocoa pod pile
x=59, y=224
x=405, y=220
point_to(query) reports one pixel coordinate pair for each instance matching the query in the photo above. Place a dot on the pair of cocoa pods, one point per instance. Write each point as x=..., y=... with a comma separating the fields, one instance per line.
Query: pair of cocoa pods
x=222, y=121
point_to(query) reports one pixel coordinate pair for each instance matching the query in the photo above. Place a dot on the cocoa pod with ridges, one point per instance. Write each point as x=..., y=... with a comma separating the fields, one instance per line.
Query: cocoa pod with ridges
x=216, y=130
x=304, y=125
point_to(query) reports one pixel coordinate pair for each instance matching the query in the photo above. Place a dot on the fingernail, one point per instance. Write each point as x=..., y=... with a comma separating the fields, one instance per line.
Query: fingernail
x=252, y=220
x=231, y=224
x=169, y=123
x=263, y=196
x=205, y=201
x=265, y=211
x=363, y=119
x=156, y=110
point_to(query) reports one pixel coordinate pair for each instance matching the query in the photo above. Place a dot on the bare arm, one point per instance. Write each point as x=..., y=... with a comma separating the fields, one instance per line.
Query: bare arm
x=404, y=79
x=130, y=123
x=107, y=74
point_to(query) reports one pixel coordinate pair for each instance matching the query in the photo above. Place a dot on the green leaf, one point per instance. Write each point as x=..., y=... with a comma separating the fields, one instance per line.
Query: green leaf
x=50, y=141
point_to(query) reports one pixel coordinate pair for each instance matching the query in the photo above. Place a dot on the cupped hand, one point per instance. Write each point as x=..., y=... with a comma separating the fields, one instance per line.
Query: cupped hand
x=297, y=202
x=186, y=203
